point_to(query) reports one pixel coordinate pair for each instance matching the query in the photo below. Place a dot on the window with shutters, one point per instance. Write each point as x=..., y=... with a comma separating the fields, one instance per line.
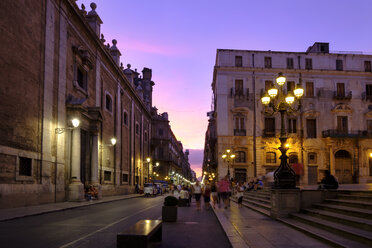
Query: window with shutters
x=308, y=64
x=292, y=125
x=367, y=66
x=268, y=62
x=289, y=63
x=240, y=157
x=342, y=124
x=239, y=87
x=309, y=89
x=269, y=130
x=311, y=128
x=268, y=85
x=271, y=157
x=340, y=90
x=369, y=90
x=238, y=61
x=339, y=65
x=290, y=86
x=108, y=102
x=369, y=126
x=125, y=118
x=312, y=158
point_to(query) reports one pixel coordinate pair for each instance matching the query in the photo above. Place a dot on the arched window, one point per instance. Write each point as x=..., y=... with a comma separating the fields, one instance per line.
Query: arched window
x=293, y=158
x=312, y=158
x=240, y=157
x=108, y=103
x=125, y=118
x=271, y=157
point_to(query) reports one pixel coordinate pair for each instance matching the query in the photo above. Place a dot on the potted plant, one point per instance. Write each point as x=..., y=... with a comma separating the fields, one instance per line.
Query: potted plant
x=169, y=211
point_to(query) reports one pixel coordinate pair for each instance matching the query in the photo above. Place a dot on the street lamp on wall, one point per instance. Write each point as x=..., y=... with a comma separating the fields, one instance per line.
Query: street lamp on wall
x=276, y=101
x=227, y=156
x=75, y=122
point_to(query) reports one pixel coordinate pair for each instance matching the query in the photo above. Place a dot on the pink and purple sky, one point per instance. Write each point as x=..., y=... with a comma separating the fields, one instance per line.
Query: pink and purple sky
x=178, y=39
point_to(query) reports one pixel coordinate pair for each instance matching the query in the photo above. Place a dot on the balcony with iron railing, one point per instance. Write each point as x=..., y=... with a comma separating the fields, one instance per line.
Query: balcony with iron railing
x=267, y=133
x=366, y=97
x=336, y=133
x=342, y=95
x=240, y=132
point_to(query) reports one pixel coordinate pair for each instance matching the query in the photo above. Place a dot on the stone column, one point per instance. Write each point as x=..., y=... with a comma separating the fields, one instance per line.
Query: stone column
x=76, y=188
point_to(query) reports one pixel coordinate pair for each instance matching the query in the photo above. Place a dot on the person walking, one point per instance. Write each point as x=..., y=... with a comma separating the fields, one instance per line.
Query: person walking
x=207, y=195
x=196, y=191
x=214, y=194
x=224, y=189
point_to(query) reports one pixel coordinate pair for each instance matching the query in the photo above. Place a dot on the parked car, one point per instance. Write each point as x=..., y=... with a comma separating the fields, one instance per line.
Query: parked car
x=149, y=189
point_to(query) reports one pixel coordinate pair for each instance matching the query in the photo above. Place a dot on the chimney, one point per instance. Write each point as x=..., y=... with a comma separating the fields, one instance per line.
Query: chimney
x=147, y=73
x=94, y=20
x=115, y=53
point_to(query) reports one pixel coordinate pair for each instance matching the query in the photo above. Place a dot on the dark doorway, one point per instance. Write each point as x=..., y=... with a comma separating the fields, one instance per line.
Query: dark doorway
x=240, y=175
x=85, y=151
x=343, y=167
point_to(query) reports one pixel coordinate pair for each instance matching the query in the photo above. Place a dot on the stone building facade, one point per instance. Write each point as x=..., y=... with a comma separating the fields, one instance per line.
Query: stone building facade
x=332, y=131
x=56, y=67
x=168, y=151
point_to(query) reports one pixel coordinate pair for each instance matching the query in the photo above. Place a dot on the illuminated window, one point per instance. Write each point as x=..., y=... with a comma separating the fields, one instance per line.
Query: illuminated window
x=240, y=157
x=271, y=157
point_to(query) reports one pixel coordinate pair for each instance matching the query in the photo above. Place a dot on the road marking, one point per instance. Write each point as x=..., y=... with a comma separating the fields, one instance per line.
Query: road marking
x=105, y=227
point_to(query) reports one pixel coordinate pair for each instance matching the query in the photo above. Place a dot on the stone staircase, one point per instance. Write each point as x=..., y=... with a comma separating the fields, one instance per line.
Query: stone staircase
x=258, y=201
x=342, y=222
x=345, y=221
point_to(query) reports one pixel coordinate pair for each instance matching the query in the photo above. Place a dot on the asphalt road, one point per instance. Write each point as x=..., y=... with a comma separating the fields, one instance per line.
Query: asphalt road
x=91, y=226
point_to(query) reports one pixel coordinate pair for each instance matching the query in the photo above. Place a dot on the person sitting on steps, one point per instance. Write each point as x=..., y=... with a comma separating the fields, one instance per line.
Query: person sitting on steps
x=329, y=181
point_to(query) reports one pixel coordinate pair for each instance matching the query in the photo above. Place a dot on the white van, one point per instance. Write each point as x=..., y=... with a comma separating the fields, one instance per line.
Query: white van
x=148, y=189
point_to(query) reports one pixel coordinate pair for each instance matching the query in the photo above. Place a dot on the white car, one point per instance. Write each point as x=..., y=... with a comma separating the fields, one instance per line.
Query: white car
x=149, y=189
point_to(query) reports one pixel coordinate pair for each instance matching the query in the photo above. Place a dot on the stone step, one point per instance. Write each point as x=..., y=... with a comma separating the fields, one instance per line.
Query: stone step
x=322, y=235
x=355, y=192
x=357, y=212
x=358, y=222
x=258, y=194
x=258, y=199
x=257, y=209
x=364, y=198
x=350, y=203
x=258, y=204
x=352, y=233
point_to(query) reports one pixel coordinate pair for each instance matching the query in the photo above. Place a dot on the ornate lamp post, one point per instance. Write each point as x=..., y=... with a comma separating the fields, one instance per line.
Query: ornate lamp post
x=227, y=156
x=276, y=100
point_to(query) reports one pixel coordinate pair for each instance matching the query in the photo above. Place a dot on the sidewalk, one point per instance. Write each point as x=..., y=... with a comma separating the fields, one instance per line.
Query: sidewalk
x=194, y=228
x=14, y=213
x=246, y=228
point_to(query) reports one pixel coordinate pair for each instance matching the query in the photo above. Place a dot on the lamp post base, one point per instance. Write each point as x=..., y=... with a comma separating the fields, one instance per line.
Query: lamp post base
x=284, y=202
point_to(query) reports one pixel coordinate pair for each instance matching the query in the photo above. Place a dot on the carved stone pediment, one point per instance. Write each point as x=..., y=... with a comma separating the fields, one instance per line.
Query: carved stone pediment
x=368, y=114
x=243, y=110
x=311, y=113
x=342, y=108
